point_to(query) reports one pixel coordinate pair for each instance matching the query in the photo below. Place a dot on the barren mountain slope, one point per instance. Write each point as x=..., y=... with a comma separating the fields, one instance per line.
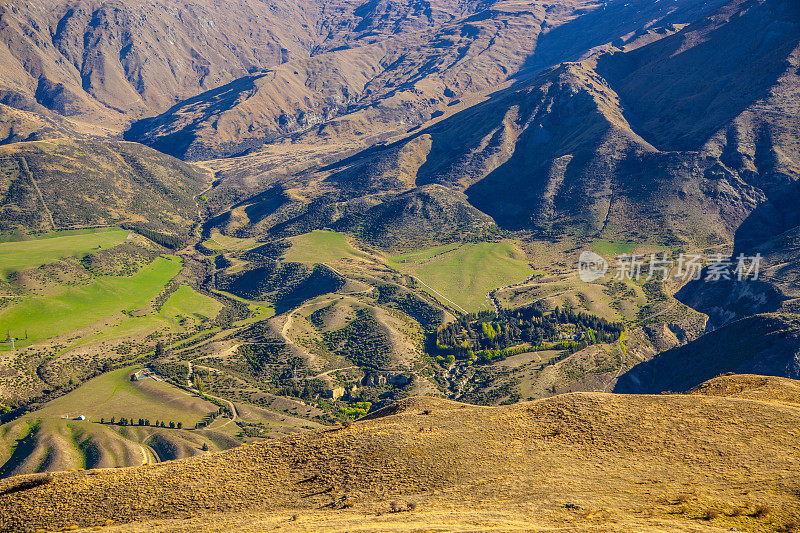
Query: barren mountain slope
x=110, y=62
x=562, y=152
x=107, y=61
x=396, y=83
x=570, y=151
x=558, y=153
x=584, y=462
x=382, y=88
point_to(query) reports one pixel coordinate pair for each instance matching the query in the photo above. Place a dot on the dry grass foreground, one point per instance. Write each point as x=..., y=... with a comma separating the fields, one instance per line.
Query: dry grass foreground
x=576, y=462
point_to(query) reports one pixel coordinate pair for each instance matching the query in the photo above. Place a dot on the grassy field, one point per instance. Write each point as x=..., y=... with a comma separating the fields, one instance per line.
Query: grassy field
x=220, y=242
x=114, y=395
x=320, y=247
x=184, y=304
x=32, y=253
x=187, y=302
x=611, y=248
x=464, y=273
x=79, y=306
x=126, y=329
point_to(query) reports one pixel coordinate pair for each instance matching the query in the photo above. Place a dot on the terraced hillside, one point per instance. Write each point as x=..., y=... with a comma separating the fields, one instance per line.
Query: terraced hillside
x=584, y=462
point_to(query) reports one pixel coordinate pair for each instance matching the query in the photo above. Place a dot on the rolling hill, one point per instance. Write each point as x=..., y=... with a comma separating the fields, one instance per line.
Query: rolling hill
x=112, y=421
x=582, y=462
x=71, y=184
x=325, y=207
x=109, y=63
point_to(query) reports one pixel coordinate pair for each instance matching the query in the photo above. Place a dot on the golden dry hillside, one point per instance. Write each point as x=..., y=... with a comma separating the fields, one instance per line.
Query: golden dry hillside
x=577, y=462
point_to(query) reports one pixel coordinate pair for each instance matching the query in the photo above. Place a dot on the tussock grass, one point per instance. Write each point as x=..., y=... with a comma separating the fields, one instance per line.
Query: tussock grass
x=468, y=461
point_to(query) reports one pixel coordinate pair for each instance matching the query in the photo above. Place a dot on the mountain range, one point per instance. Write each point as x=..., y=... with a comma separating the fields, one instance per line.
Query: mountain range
x=254, y=220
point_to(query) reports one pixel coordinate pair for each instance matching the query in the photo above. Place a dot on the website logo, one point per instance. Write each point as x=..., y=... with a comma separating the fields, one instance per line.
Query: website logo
x=591, y=266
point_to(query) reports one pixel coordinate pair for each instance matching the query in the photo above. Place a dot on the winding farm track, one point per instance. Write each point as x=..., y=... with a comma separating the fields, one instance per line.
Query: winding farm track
x=290, y=317
x=234, y=413
x=329, y=372
x=145, y=455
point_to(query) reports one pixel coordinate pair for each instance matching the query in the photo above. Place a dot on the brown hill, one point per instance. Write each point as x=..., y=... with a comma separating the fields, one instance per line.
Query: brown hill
x=579, y=462
x=380, y=88
x=565, y=151
x=111, y=62
x=70, y=184
x=397, y=82
x=752, y=387
x=105, y=61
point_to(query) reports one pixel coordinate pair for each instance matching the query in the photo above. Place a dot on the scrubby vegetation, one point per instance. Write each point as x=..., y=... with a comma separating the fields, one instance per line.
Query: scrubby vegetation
x=97, y=183
x=283, y=283
x=429, y=316
x=362, y=341
x=260, y=355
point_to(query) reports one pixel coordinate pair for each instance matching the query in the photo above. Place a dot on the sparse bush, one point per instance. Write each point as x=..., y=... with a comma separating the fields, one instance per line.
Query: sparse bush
x=681, y=498
x=760, y=511
x=710, y=514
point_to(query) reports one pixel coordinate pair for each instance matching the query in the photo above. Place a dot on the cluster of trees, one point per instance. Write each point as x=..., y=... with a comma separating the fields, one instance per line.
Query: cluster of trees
x=305, y=389
x=362, y=341
x=260, y=355
x=210, y=417
x=486, y=337
x=176, y=372
x=356, y=410
x=143, y=422
x=173, y=242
